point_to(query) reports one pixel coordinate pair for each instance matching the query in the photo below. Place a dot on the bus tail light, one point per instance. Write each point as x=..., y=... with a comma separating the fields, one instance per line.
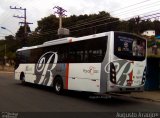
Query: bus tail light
x=144, y=76
x=112, y=73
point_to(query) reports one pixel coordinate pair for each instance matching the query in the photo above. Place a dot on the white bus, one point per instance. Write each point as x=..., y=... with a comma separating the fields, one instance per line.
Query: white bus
x=104, y=62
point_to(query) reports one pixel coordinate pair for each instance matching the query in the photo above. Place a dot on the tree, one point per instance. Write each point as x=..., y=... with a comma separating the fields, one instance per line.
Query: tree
x=9, y=37
x=79, y=26
x=21, y=32
x=146, y=25
x=47, y=24
x=123, y=26
x=20, y=35
x=157, y=27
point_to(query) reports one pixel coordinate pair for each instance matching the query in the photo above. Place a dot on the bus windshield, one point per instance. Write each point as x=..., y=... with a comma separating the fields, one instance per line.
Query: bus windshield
x=130, y=47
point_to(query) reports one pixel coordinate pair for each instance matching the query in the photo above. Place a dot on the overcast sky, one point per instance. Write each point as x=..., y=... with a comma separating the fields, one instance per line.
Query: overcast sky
x=37, y=9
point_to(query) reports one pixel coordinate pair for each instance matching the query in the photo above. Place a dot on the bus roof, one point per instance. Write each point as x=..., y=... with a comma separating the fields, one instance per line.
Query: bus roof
x=65, y=40
x=71, y=39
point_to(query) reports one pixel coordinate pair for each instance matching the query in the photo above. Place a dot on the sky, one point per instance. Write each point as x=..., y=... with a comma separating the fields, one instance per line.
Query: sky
x=38, y=9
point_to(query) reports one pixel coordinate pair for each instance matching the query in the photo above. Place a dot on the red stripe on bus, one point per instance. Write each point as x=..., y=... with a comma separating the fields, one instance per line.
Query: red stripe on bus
x=67, y=73
x=131, y=75
x=130, y=81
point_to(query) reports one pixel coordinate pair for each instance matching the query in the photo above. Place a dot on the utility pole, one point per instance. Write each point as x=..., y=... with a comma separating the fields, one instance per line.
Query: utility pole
x=5, y=57
x=61, y=12
x=25, y=21
x=137, y=22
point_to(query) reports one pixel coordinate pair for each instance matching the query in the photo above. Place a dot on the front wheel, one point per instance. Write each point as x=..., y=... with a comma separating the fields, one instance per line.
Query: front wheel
x=58, y=85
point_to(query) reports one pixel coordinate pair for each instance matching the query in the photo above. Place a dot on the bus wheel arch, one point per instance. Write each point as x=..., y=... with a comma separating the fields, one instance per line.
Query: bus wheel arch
x=58, y=84
x=22, y=77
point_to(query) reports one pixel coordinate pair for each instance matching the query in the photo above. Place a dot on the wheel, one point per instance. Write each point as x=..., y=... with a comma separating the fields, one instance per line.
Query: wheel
x=22, y=78
x=58, y=85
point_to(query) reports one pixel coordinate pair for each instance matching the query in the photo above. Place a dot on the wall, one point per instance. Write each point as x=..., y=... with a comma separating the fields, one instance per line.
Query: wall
x=153, y=74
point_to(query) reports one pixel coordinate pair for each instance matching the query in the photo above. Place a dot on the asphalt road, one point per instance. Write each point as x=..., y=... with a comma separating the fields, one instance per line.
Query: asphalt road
x=15, y=97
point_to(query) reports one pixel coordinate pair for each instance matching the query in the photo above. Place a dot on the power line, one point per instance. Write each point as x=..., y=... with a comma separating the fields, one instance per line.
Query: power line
x=88, y=27
x=137, y=9
x=104, y=18
x=102, y=24
x=146, y=1
x=8, y=19
x=25, y=21
x=83, y=24
x=95, y=20
x=118, y=10
x=24, y=17
x=130, y=6
x=151, y=15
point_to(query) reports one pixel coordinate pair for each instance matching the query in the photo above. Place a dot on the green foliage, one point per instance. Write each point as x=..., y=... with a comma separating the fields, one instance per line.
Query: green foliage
x=79, y=26
x=21, y=32
x=10, y=37
x=47, y=23
x=11, y=47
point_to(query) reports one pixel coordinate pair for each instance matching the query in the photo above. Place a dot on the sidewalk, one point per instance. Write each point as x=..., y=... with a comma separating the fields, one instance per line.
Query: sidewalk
x=148, y=95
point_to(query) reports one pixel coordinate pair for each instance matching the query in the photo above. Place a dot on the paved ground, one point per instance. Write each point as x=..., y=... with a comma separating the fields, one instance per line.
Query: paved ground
x=153, y=96
x=15, y=97
x=148, y=95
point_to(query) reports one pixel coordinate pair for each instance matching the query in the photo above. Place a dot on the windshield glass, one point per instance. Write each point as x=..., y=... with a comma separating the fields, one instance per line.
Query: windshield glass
x=130, y=47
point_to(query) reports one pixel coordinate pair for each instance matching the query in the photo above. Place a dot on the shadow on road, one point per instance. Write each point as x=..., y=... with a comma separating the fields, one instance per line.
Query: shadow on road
x=104, y=99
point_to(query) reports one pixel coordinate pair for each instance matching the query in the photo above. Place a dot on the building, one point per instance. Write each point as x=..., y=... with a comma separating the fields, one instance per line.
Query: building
x=149, y=33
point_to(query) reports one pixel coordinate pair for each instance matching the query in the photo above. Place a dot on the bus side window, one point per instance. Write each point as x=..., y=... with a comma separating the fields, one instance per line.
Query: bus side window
x=97, y=55
x=96, y=49
x=17, y=61
x=35, y=54
x=72, y=56
x=79, y=56
x=86, y=56
x=25, y=55
x=76, y=52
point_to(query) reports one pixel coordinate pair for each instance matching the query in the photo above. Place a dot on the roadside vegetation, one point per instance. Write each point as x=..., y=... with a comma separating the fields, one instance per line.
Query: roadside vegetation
x=79, y=26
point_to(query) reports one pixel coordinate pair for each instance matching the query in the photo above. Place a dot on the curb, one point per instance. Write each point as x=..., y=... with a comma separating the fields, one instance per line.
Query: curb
x=147, y=99
x=136, y=97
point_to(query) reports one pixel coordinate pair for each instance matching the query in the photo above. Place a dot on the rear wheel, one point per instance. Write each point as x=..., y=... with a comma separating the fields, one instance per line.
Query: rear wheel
x=58, y=85
x=22, y=78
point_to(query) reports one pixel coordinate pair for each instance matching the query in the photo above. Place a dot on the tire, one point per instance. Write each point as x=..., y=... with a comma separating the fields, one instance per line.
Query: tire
x=58, y=85
x=22, y=78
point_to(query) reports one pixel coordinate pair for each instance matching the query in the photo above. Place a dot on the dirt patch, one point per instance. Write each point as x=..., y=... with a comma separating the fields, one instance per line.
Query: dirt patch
x=6, y=68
